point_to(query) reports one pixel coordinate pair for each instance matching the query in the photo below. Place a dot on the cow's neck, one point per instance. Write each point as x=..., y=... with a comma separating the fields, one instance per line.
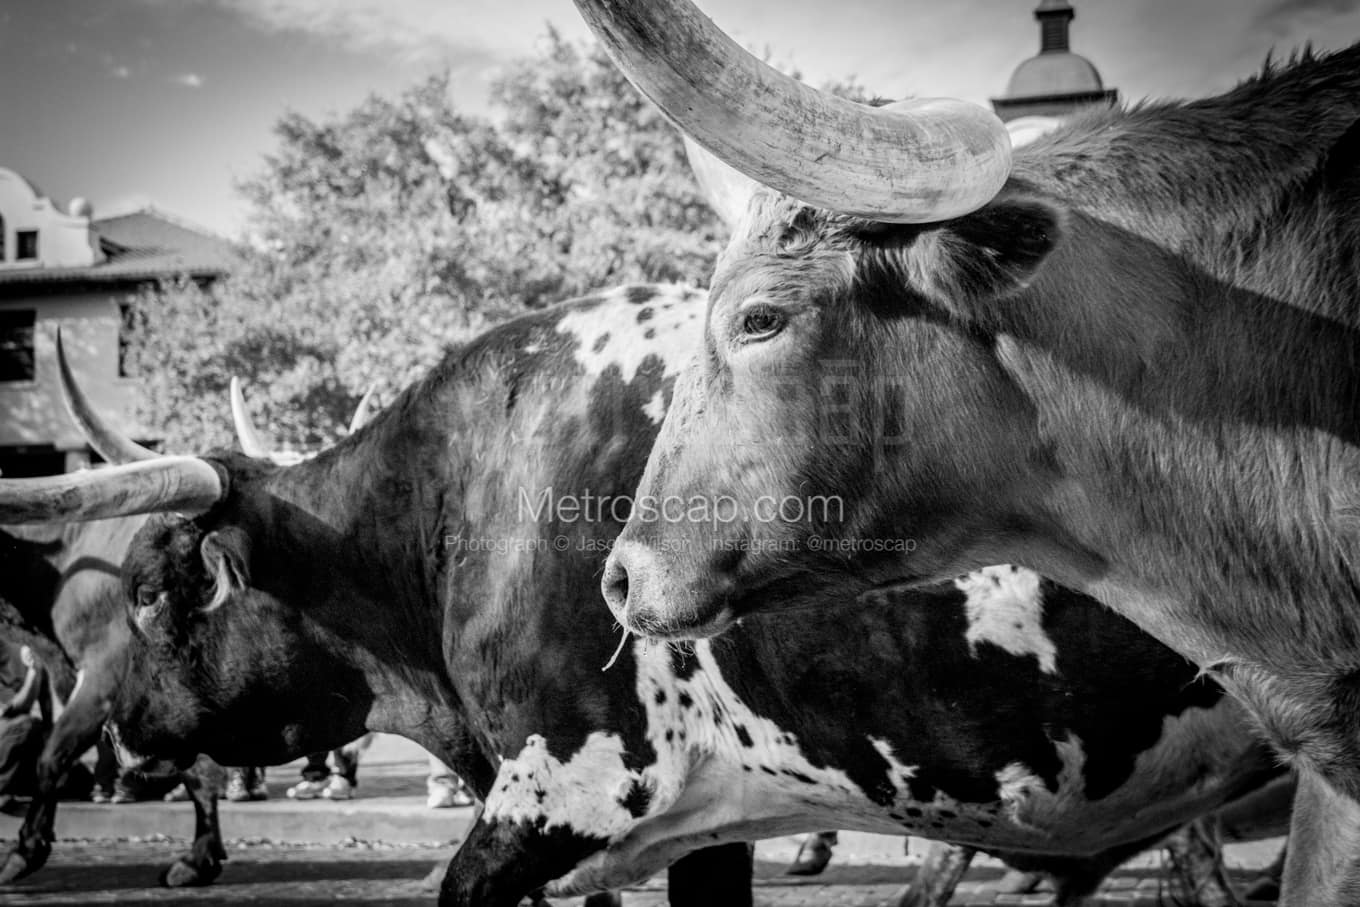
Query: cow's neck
x=1207, y=439
x=357, y=536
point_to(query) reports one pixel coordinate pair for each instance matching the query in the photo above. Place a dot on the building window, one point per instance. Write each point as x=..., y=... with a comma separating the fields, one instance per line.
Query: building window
x=25, y=245
x=31, y=460
x=16, y=344
x=127, y=327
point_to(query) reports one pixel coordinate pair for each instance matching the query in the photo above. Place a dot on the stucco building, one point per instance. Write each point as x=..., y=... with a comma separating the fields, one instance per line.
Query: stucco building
x=1055, y=81
x=73, y=269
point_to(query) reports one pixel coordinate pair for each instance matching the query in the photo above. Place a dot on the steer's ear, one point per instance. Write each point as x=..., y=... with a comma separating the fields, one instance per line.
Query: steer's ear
x=727, y=191
x=225, y=556
x=988, y=254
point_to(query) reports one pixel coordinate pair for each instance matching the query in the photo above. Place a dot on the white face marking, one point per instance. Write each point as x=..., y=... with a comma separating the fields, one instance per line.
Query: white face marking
x=655, y=408
x=611, y=334
x=1005, y=607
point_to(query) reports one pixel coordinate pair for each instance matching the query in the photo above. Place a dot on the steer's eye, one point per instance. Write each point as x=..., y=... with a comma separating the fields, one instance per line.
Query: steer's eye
x=146, y=597
x=759, y=322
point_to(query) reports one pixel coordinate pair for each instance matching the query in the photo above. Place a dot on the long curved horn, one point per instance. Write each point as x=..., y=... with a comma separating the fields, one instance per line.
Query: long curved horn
x=166, y=484
x=912, y=162
x=364, y=411
x=252, y=444
x=109, y=443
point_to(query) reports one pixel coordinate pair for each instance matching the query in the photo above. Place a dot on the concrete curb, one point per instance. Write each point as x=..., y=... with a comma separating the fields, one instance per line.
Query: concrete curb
x=389, y=806
x=397, y=820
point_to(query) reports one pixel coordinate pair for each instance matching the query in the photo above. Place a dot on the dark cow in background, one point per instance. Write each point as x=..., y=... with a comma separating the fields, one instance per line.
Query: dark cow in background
x=64, y=587
x=436, y=573
x=1136, y=370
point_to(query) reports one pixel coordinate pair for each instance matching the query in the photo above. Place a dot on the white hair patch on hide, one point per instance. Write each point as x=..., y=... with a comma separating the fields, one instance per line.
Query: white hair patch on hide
x=655, y=408
x=586, y=793
x=1005, y=607
x=625, y=333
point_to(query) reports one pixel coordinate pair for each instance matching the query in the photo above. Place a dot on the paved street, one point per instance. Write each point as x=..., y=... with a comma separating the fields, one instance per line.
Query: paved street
x=378, y=848
x=124, y=872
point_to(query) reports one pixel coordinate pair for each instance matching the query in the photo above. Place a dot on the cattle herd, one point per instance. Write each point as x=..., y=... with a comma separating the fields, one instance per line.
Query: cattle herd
x=1003, y=497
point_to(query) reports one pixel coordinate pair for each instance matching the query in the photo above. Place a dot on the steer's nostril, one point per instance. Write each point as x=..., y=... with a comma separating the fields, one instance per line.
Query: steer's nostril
x=614, y=584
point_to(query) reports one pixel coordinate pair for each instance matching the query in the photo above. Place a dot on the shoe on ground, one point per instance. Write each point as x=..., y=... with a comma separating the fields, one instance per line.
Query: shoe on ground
x=123, y=794
x=178, y=795
x=338, y=788
x=307, y=790
x=237, y=792
x=442, y=796
x=100, y=796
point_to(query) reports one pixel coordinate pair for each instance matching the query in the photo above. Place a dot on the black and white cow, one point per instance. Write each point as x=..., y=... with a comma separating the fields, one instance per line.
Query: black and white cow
x=438, y=571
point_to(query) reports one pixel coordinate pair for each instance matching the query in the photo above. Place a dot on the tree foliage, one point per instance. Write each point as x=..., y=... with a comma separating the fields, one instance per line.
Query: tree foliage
x=380, y=236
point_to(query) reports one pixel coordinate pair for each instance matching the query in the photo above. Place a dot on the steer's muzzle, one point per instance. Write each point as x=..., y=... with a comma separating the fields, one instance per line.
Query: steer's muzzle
x=648, y=597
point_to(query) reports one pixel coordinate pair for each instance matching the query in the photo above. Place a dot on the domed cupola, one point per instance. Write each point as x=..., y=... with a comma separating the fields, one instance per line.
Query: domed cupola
x=1056, y=81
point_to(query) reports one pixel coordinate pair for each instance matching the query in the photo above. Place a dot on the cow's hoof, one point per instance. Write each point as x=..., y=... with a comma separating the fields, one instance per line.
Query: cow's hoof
x=604, y=899
x=1264, y=888
x=812, y=858
x=1017, y=882
x=435, y=877
x=183, y=874
x=15, y=867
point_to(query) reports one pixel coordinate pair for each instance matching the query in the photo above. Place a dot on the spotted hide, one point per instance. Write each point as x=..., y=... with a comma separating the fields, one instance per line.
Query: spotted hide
x=451, y=590
x=1000, y=711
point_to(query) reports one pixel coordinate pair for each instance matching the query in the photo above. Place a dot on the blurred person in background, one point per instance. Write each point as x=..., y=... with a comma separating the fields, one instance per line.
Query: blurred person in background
x=444, y=789
x=335, y=780
x=26, y=716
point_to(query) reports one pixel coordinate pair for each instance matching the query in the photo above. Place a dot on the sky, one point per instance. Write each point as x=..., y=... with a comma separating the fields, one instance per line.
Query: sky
x=171, y=102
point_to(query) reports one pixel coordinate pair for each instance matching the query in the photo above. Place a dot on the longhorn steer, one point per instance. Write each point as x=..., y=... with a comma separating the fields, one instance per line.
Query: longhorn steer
x=436, y=572
x=63, y=584
x=1131, y=362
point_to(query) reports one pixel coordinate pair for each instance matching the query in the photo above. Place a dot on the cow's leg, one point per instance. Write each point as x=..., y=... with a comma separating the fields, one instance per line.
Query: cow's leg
x=74, y=732
x=1266, y=886
x=1197, y=873
x=500, y=863
x=599, y=899
x=203, y=863
x=1077, y=878
x=940, y=873
x=714, y=875
x=1322, y=868
x=1017, y=881
x=813, y=854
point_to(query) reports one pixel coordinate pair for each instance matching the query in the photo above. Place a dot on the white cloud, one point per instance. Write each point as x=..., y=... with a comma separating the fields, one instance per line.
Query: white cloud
x=120, y=72
x=966, y=48
x=188, y=80
x=415, y=29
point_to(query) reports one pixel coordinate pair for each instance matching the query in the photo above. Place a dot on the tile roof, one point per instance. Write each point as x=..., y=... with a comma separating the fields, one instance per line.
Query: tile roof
x=140, y=246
